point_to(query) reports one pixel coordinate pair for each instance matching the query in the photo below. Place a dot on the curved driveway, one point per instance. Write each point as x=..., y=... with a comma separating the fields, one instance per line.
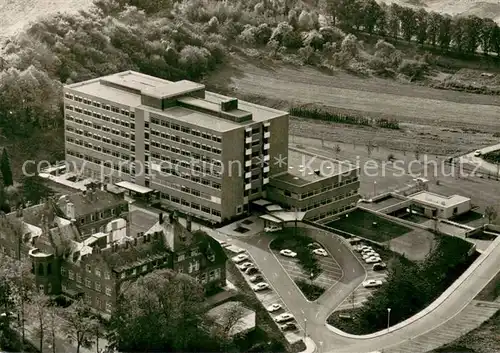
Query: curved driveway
x=317, y=312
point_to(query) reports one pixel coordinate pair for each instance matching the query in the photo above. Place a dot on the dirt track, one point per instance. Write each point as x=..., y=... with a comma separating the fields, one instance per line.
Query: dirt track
x=371, y=96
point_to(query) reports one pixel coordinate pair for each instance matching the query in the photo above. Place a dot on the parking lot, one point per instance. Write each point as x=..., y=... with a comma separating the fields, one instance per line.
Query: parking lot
x=269, y=297
x=361, y=294
x=331, y=272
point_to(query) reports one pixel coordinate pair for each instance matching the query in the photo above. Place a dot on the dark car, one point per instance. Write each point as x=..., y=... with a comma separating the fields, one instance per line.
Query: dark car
x=256, y=278
x=252, y=271
x=290, y=326
x=314, y=245
x=379, y=267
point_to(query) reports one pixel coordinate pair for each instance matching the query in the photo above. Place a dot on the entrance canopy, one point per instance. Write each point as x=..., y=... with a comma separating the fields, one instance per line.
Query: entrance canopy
x=270, y=218
x=272, y=208
x=134, y=187
x=289, y=216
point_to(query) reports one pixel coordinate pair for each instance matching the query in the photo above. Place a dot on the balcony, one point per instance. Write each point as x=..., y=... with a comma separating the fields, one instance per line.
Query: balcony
x=265, y=181
x=266, y=146
x=267, y=135
x=248, y=139
x=266, y=158
x=248, y=152
x=248, y=163
x=266, y=169
x=248, y=175
x=267, y=124
x=248, y=186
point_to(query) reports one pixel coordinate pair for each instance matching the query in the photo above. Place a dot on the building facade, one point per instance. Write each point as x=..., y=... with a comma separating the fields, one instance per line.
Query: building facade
x=319, y=187
x=206, y=154
x=96, y=267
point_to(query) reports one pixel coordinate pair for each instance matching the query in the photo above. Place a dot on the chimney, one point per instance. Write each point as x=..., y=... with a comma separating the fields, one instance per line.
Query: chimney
x=188, y=223
x=70, y=210
x=160, y=218
x=171, y=217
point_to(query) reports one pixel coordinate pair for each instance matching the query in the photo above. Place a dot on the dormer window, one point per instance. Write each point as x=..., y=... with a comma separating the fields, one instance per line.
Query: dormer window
x=210, y=254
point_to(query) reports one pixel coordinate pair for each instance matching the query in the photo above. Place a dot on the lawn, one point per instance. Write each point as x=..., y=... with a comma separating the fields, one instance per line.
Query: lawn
x=370, y=226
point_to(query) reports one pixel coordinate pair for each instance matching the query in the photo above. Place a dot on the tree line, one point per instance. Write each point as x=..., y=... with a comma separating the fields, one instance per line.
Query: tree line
x=464, y=35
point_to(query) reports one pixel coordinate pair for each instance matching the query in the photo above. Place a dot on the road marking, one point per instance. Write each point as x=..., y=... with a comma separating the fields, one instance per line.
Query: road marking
x=265, y=258
x=317, y=314
x=353, y=270
x=303, y=313
x=338, y=249
x=289, y=293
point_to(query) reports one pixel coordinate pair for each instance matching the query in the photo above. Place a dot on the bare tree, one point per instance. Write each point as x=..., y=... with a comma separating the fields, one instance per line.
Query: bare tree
x=369, y=148
x=37, y=311
x=337, y=150
x=491, y=213
x=417, y=153
x=79, y=325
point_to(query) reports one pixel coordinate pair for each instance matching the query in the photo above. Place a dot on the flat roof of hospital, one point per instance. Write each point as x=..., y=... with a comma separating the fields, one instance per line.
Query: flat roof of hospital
x=305, y=168
x=135, y=83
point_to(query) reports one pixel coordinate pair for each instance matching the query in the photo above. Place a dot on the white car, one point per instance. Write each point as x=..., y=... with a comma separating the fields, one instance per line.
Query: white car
x=260, y=286
x=288, y=253
x=244, y=266
x=320, y=252
x=477, y=153
x=373, y=260
x=284, y=317
x=368, y=254
x=274, y=307
x=366, y=249
x=240, y=258
x=272, y=229
x=372, y=283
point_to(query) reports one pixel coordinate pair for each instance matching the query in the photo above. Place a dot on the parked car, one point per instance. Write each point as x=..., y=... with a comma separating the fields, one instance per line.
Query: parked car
x=320, y=252
x=379, y=267
x=272, y=229
x=256, y=278
x=373, y=260
x=284, y=317
x=260, y=286
x=368, y=254
x=357, y=248
x=288, y=253
x=354, y=240
x=314, y=245
x=240, y=258
x=372, y=283
x=289, y=326
x=252, y=271
x=367, y=249
x=274, y=307
x=245, y=265
x=477, y=153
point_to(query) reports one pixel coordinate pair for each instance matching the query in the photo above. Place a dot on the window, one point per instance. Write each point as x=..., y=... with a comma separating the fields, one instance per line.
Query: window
x=79, y=278
x=41, y=288
x=88, y=283
x=108, y=307
x=97, y=286
x=211, y=275
x=107, y=275
x=89, y=268
x=71, y=275
x=108, y=291
x=181, y=257
x=63, y=272
x=122, y=275
x=98, y=302
x=144, y=268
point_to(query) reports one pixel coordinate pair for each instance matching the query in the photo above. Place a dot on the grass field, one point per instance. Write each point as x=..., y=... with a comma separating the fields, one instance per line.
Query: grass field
x=362, y=223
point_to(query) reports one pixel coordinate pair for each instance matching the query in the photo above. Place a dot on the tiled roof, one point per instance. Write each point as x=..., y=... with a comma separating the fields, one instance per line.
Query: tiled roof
x=92, y=201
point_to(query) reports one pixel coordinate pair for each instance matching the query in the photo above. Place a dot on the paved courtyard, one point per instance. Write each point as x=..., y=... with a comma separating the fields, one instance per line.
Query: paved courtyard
x=331, y=272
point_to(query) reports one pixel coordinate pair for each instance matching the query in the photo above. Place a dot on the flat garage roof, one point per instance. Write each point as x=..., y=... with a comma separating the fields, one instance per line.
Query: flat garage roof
x=134, y=187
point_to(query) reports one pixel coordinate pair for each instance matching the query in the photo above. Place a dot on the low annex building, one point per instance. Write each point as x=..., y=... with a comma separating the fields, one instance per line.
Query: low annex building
x=435, y=205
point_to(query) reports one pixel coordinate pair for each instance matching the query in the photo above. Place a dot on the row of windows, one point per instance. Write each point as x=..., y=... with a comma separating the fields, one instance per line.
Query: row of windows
x=192, y=178
x=320, y=190
x=187, y=190
x=116, y=166
x=99, y=105
x=328, y=201
x=98, y=148
x=98, y=302
x=95, y=285
x=185, y=164
x=185, y=130
x=186, y=142
x=103, y=128
x=212, y=275
x=192, y=205
x=333, y=212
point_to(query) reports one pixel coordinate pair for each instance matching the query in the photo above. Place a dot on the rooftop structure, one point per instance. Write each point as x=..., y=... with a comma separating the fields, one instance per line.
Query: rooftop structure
x=439, y=201
x=304, y=168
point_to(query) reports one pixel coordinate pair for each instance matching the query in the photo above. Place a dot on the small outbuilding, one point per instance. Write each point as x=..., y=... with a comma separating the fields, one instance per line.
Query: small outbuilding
x=435, y=205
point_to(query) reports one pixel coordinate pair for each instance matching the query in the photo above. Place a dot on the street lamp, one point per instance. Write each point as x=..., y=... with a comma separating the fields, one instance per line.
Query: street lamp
x=305, y=327
x=388, y=318
x=374, y=188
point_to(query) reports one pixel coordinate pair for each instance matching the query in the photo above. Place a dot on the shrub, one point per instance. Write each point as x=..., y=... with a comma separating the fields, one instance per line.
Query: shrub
x=332, y=34
x=413, y=69
x=310, y=290
x=307, y=55
x=212, y=26
x=263, y=34
x=313, y=39
x=305, y=22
